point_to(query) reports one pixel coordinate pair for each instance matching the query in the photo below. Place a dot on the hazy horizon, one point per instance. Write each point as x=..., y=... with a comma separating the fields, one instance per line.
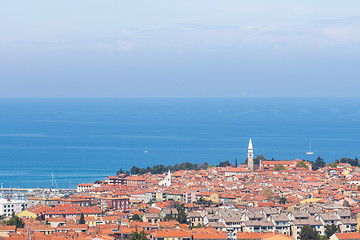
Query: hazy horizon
x=231, y=48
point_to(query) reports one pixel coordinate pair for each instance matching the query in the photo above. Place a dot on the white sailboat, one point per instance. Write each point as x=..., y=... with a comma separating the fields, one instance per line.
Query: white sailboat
x=309, y=152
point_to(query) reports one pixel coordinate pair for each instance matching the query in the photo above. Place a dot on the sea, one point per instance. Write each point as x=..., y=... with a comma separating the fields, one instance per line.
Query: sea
x=60, y=143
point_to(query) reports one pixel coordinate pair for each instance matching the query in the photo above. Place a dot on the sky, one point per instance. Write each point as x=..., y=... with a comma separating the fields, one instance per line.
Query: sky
x=187, y=48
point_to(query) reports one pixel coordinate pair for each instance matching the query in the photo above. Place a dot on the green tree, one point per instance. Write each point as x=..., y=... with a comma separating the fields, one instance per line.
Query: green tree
x=136, y=217
x=352, y=162
x=256, y=160
x=330, y=230
x=308, y=233
x=169, y=217
x=334, y=164
x=346, y=204
x=134, y=170
x=182, y=216
x=319, y=163
x=224, y=164
x=301, y=164
x=203, y=201
x=15, y=221
x=282, y=200
x=135, y=235
x=279, y=167
x=236, y=164
x=82, y=218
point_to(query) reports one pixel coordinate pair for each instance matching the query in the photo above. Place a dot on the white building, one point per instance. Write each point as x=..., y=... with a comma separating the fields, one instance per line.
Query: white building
x=7, y=207
x=167, y=180
x=84, y=187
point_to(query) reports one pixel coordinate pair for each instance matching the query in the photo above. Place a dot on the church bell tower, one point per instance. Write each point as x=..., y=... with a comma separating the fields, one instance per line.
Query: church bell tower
x=250, y=158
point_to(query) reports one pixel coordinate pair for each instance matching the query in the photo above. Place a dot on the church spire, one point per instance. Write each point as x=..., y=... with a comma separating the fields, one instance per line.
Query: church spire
x=250, y=145
x=250, y=158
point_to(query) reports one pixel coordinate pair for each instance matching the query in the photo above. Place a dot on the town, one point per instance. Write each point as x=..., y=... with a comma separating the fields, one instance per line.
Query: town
x=264, y=199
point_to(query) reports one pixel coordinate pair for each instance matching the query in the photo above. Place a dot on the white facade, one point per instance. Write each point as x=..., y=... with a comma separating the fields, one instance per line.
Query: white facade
x=8, y=207
x=167, y=181
x=84, y=187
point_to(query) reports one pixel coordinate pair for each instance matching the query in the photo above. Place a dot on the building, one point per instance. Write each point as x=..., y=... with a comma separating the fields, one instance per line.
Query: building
x=136, y=181
x=115, y=203
x=7, y=207
x=167, y=180
x=250, y=157
x=287, y=164
x=117, y=180
x=84, y=187
x=345, y=236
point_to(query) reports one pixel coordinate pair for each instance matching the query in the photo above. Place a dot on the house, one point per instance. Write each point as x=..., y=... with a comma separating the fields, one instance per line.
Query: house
x=115, y=203
x=348, y=225
x=266, y=211
x=345, y=236
x=214, y=197
x=195, y=218
x=169, y=212
x=208, y=234
x=298, y=215
x=123, y=233
x=257, y=226
x=152, y=218
x=176, y=234
x=286, y=164
x=136, y=181
x=327, y=219
x=26, y=214
x=117, y=180
x=43, y=229
x=84, y=187
x=252, y=216
x=297, y=224
x=263, y=236
x=312, y=211
x=211, y=218
x=5, y=231
x=72, y=227
x=281, y=223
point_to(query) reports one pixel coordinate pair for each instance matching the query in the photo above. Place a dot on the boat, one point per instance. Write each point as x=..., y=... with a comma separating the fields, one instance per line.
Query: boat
x=309, y=152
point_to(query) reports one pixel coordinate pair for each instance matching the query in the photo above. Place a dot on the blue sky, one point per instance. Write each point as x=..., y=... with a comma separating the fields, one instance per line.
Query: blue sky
x=202, y=48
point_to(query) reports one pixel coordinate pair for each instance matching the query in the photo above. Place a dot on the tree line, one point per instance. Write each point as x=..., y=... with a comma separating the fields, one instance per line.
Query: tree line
x=159, y=169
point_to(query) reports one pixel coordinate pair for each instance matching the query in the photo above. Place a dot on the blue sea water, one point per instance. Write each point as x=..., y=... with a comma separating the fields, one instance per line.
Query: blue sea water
x=83, y=140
